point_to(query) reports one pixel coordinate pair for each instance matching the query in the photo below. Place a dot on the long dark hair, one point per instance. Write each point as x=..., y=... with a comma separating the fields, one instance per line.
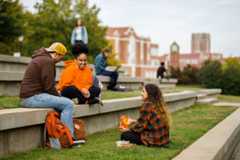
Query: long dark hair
x=155, y=96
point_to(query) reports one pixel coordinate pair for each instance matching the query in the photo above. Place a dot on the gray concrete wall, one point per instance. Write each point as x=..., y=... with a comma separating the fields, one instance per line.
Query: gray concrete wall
x=18, y=64
x=217, y=144
x=24, y=127
x=12, y=71
x=20, y=139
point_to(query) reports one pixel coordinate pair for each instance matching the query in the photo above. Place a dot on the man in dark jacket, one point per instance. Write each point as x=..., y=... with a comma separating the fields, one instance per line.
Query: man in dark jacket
x=38, y=85
x=161, y=70
x=100, y=67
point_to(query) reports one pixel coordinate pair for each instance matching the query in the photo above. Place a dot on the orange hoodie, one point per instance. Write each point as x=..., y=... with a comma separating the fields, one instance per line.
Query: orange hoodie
x=73, y=76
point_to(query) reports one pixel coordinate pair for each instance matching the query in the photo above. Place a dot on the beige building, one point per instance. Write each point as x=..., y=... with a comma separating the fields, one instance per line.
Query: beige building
x=201, y=43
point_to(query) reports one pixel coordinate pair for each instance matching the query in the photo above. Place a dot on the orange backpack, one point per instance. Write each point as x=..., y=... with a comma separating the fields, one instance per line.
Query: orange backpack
x=79, y=129
x=57, y=134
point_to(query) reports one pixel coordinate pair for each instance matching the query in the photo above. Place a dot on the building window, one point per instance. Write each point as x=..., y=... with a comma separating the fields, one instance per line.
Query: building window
x=154, y=51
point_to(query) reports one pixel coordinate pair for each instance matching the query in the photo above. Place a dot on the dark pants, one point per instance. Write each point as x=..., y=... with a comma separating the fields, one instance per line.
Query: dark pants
x=162, y=76
x=132, y=137
x=113, y=78
x=72, y=92
x=83, y=47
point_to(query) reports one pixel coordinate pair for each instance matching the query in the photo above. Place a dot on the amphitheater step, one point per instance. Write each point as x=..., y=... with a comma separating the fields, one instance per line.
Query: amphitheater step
x=208, y=100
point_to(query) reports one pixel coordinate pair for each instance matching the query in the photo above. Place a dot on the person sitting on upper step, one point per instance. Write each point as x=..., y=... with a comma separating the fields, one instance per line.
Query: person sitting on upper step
x=100, y=68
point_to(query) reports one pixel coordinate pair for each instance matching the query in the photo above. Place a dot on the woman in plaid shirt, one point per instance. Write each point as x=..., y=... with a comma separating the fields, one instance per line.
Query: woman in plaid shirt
x=152, y=127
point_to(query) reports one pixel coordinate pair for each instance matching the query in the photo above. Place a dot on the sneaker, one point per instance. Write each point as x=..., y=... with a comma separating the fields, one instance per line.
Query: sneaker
x=121, y=87
x=94, y=101
x=118, y=89
x=124, y=144
x=79, y=141
x=75, y=101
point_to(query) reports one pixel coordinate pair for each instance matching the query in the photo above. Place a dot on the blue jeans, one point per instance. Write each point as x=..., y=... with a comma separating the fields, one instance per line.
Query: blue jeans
x=61, y=104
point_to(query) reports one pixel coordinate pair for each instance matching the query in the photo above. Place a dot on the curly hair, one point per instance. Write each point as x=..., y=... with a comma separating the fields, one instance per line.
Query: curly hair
x=79, y=48
x=155, y=96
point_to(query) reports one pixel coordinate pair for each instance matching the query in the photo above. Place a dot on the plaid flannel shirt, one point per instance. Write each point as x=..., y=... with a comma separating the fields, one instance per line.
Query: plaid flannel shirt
x=151, y=128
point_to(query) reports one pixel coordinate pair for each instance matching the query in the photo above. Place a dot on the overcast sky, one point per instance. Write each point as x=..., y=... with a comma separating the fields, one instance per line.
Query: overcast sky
x=165, y=21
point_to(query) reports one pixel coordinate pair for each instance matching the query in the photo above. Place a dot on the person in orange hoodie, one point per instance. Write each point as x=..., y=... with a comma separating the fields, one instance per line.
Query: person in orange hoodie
x=77, y=79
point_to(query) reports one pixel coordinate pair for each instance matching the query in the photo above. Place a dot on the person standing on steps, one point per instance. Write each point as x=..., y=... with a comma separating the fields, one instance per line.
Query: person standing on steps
x=161, y=70
x=79, y=34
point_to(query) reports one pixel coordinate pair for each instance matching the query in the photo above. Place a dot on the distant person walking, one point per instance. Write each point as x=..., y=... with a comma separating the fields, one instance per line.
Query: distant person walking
x=152, y=126
x=79, y=33
x=38, y=85
x=161, y=70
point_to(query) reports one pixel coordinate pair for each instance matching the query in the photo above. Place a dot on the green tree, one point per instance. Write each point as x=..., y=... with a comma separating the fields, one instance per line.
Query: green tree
x=11, y=25
x=231, y=77
x=175, y=72
x=55, y=20
x=52, y=22
x=189, y=75
x=210, y=74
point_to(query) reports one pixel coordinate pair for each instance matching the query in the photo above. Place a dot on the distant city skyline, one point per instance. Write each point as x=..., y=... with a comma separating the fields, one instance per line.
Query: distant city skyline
x=173, y=20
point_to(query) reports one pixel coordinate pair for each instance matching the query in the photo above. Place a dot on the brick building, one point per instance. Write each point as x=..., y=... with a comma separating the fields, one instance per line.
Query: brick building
x=201, y=51
x=138, y=55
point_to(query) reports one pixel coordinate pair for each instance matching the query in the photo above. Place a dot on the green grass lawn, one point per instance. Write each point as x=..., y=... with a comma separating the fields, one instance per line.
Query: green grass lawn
x=114, y=95
x=229, y=98
x=188, y=125
x=9, y=102
x=180, y=87
x=14, y=102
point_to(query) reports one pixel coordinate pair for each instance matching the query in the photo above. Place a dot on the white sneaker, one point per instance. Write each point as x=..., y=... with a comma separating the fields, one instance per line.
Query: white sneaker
x=79, y=141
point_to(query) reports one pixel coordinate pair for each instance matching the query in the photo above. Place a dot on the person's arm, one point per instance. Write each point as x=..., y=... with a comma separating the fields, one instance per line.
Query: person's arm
x=100, y=63
x=85, y=92
x=48, y=77
x=73, y=37
x=86, y=35
x=95, y=81
x=66, y=78
x=145, y=114
x=158, y=74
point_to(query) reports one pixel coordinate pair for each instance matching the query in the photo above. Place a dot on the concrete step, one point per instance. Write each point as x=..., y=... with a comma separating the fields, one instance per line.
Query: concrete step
x=202, y=96
x=207, y=100
x=232, y=104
